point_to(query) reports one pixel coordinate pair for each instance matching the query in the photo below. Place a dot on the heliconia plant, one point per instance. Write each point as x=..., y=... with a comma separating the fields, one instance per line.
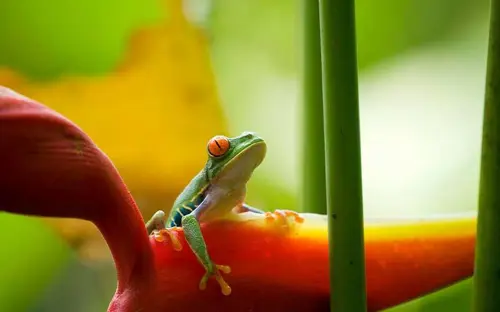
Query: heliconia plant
x=50, y=167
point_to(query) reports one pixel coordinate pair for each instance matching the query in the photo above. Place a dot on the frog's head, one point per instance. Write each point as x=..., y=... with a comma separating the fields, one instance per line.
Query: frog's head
x=234, y=159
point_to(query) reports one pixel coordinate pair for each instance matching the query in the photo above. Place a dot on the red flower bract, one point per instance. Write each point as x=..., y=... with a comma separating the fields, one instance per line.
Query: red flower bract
x=50, y=167
x=276, y=268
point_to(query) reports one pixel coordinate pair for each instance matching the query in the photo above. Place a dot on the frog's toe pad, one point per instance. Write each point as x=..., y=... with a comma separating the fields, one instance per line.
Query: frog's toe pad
x=223, y=268
x=225, y=288
x=165, y=234
x=282, y=216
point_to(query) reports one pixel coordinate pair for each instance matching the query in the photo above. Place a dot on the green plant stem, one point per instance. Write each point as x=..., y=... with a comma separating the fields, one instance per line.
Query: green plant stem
x=313, y=143
x=343, y=156
x=486, y=294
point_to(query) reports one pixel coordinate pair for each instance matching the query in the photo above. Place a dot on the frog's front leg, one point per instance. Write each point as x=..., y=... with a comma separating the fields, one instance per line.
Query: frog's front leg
x=156, y=223
x=278, y=214
x=194, y=237
x=156, y=226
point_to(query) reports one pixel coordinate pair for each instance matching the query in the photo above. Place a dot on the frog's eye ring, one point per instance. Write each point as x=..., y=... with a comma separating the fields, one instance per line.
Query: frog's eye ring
x=218, y=146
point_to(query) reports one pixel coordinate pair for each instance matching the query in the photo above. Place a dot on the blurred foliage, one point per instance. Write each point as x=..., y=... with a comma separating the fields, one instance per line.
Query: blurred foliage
x=139, y=100
x=69, y=38
x=389, y=27
x=89, y=289
x=267, y=31
x=31, y=256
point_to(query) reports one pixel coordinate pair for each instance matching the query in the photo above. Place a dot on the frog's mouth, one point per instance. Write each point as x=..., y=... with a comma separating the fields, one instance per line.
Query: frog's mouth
x=241, y=167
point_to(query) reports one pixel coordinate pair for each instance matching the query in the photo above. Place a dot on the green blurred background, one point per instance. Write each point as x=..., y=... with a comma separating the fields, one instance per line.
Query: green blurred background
x=422, y=72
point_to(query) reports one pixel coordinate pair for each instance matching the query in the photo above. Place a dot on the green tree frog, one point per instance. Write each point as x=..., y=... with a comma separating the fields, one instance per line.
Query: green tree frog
x=216, y=191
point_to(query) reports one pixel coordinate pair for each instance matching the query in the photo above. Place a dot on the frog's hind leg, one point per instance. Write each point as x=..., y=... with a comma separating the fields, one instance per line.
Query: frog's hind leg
x=280, y=215
x=247, y=208
x=194, y=237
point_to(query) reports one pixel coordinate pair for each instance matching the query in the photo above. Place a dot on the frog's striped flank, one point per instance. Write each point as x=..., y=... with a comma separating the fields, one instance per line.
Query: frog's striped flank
x=186, y=208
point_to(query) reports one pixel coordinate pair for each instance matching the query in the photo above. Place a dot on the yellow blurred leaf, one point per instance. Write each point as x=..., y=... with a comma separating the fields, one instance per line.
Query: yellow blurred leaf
x=153, y=115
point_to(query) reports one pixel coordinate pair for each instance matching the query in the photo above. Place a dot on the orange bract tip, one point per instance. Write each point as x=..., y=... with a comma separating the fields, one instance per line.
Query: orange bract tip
x=218, y=145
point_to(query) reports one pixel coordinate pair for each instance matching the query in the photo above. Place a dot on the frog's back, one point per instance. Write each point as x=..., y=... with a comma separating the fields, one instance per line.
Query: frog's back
x=189, y=199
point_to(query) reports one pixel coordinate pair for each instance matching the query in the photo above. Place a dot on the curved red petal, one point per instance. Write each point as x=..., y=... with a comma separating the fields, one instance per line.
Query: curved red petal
x=50, y=167
x=276, y=270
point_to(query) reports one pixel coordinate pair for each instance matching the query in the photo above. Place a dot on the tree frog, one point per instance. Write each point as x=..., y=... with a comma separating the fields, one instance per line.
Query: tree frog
x=216, y=191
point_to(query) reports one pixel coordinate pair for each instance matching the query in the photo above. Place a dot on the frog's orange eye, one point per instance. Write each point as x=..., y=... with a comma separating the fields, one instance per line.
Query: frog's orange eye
x=218, y=146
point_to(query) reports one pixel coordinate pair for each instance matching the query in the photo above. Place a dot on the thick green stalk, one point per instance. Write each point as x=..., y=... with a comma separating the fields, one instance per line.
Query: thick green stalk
x=343, y=156
x=313, y=143
x=487, y=266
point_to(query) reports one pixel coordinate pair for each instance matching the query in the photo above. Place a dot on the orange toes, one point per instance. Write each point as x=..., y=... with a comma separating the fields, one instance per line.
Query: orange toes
x=282, y=216
x=168, y=234
x=224, y=286
x=270, y=217
x=295, y=215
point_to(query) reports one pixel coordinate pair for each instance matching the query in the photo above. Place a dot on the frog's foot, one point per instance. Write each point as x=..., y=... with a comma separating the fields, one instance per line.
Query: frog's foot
x=282, y=216
x=168, y=233
x=215, y=271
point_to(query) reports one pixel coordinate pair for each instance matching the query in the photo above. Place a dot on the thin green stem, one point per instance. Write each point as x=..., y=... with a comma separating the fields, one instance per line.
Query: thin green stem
x=487, y=263
x=343, y=156
x=313, y=144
